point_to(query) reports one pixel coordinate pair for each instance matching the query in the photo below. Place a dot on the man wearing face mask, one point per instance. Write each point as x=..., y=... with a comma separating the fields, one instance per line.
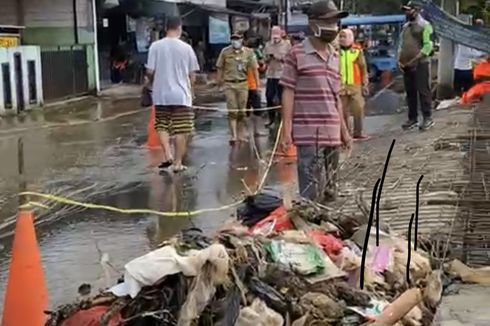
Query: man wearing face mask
x=414, y=56
x=275, y=51
x=354, y=75
x=233, y=64
x=311, y=108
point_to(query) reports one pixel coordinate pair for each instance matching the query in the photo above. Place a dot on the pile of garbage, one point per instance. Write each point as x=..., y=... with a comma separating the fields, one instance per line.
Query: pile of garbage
x=269, y=267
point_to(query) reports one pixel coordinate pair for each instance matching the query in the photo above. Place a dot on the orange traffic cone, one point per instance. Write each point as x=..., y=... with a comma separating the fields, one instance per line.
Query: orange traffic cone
x=153, y=141
x=289, y=153
x=386, y=78
x=26, y=297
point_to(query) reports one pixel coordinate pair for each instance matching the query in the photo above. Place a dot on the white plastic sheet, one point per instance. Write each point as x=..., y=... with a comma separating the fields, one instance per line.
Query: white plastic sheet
x=148, y=269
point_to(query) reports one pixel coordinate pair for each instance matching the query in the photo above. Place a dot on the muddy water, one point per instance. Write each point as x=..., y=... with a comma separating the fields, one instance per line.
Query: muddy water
x=84, y=153
x=107, y=160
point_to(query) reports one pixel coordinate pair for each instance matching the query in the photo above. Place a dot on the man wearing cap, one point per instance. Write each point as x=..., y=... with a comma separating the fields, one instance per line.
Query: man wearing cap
x=311, y=107
x=414, y=56
x=275, y=51
x=233, y=64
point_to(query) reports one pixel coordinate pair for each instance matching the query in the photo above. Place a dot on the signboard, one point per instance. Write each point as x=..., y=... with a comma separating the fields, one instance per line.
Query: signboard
x=8, y=41
x=142, y=35
x=451, y=28
x=219, y=29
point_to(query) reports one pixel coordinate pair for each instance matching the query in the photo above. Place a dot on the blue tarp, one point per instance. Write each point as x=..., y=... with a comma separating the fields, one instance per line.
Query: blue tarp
x=299, y=22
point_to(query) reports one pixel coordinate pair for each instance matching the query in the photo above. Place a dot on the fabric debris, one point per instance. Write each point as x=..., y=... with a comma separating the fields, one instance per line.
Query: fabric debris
x=148, y=269
x=258, y=314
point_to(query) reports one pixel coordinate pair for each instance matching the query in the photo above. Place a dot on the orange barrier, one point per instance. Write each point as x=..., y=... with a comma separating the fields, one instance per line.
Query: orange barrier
x=475, y=94
x=153, y=141
x=26, y=297
x=482, y=70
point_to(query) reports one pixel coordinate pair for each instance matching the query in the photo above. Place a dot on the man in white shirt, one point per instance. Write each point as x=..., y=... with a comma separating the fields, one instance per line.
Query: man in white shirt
x=463, y=66
x=171, y=68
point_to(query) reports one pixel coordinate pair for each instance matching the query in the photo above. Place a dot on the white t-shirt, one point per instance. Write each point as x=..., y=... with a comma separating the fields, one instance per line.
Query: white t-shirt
x=464, y=57
x=172, y=60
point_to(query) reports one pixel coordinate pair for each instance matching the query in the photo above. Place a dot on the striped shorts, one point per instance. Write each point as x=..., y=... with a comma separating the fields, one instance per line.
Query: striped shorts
x=174, y=119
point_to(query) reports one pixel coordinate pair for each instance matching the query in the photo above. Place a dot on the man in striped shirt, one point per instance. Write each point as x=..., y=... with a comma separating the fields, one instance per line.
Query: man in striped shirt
x=312, y=111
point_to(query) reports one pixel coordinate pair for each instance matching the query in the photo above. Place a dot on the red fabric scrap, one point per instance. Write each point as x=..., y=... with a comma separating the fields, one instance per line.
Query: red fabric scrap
x=91, y=317
x=278, y=221
x=330, y=244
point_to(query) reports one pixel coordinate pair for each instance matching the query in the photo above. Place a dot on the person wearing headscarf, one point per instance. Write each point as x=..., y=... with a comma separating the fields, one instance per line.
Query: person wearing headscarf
x=355, y=82
x=275, y=51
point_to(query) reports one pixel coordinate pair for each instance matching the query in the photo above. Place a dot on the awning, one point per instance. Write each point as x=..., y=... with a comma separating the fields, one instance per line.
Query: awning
x=220, y=10
x=260, y=3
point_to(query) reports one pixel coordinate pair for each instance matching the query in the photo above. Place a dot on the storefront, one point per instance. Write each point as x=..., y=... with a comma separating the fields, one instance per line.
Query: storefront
x=10, y=36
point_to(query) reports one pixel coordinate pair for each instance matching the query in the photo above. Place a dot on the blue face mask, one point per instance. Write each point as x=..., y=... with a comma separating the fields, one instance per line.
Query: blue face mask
x=236, y=44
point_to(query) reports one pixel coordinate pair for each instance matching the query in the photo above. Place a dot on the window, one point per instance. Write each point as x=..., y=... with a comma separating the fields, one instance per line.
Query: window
x=7, y=87
x=31, y=71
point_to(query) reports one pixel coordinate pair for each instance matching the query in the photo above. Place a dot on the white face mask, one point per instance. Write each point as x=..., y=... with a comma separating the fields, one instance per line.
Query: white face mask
x=236, y=44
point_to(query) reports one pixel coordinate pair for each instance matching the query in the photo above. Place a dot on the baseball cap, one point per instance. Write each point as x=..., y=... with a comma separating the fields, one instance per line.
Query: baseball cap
x=325, y=9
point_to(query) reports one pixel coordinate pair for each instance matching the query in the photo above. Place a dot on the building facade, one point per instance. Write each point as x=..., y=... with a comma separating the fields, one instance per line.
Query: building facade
x=64, y=31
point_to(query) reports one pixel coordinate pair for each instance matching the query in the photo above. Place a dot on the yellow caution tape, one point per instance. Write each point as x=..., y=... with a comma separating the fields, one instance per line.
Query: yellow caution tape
x=33, y=204
x=217, y=109
x=68, y=201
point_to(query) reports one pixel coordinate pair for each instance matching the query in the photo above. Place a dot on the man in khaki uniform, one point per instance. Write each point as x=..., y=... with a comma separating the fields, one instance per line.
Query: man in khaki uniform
x=233, y=63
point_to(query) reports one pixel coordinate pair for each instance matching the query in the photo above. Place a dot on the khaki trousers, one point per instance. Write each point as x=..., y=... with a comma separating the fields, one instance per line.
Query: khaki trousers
x=353, y=104
x=236, y=100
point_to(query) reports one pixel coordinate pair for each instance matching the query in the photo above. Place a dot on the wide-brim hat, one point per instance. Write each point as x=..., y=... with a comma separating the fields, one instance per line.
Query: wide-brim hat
x=410, y=6
x=325, y=9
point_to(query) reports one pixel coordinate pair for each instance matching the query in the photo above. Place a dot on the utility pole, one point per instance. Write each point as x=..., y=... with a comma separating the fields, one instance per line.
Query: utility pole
x=20, y=13
x=445, y=66
x=96, y=47
x=286, y=14
x=21, y=170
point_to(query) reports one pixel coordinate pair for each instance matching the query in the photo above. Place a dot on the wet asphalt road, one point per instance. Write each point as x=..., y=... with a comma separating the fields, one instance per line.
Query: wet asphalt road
x=93, y=151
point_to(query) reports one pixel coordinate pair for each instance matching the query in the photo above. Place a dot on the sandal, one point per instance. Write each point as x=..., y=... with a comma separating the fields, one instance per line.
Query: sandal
x=166, y=164
x=178, y=169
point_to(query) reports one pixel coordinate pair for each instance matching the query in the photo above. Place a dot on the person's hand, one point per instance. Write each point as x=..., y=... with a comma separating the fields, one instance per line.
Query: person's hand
x=365, y=90
x=220, y=84
x=346, y=140
x=286, y=140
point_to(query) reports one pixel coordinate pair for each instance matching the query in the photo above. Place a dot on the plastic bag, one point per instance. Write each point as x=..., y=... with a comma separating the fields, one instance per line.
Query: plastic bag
x=304, y=259
x=256, y=208
x=277, y=221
